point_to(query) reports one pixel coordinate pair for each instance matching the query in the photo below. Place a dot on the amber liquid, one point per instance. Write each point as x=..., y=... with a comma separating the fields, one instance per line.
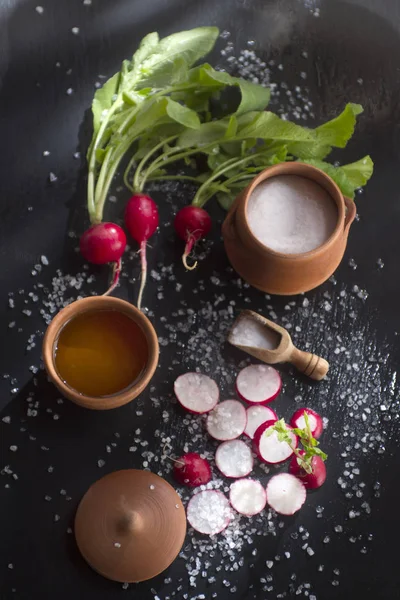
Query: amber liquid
x=101, y=353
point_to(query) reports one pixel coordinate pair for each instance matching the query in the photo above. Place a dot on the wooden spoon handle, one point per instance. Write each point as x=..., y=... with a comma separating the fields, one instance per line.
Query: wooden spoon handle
x=311, y=365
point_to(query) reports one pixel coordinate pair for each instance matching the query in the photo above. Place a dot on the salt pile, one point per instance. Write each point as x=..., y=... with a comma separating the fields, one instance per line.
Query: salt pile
x=250, y=332
x=291, y=214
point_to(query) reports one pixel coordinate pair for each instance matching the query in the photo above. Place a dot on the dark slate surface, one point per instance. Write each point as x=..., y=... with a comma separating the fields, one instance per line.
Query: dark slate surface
x=348, y=42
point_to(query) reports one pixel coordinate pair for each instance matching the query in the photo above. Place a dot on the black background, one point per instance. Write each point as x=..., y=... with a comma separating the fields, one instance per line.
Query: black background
x=346, y=43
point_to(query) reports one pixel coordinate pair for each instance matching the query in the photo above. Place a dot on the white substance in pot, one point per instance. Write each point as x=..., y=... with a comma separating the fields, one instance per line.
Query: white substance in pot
x=291, y=214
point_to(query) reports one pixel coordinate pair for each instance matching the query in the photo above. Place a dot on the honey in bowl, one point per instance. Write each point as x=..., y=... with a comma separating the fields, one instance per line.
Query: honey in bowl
x=100, y=353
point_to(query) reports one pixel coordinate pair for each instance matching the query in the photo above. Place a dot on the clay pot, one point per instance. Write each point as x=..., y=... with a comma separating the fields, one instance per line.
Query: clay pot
x=130, y=525
x=95, y=303
x=275, y=272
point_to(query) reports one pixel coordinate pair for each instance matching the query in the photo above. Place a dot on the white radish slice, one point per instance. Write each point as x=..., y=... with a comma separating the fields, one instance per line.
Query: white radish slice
x=256, y=416
x=258, y=384
x=234, y=459
x=247, y=497
x=314, y=420
x=285, y=494
x=209, y=512
x=196, y=392
x=227, y=420
x=269, y=448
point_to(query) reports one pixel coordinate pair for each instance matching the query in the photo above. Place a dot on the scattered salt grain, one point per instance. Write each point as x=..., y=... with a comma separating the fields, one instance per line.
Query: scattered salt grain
x=75, y=30
x=39, y=10
x=52, y=177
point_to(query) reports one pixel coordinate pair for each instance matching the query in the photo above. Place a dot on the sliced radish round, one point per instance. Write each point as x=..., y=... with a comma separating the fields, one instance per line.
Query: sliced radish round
x=227, y=420
x=234, y=459
x=192, y=470
x=256, y=416
x=258, y=384
x=209, y=512
x=196, y=392
x=285, y=494
x=269, y=448
x=248, y=497
x=314, y=420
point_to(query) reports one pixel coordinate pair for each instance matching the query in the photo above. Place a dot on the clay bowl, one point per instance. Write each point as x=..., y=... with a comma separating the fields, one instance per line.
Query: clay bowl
x=275, y=272
x=96, y=303
x=130, y=525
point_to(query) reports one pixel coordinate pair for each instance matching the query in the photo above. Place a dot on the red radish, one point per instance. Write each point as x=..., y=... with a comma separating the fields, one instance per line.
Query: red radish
x=285, y=494
x=209, y=512
x=191, y=224
x=256, y=416
x=247, y=497
x=311, y=480
x=227, y=420
x=314, y=420
x=269, y=448
x=192, y=470
x=141, y=220
x=196, y=392
x=258, y=384
x=234, y=459
x=103, y=243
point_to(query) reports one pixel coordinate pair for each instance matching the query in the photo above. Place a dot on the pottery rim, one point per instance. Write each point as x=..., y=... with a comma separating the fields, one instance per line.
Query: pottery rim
x=95, y=303
x=308, y=172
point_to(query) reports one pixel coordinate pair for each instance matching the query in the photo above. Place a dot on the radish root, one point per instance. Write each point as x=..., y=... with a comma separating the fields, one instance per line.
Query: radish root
x=143, y=278
x=188, y=248
x=116, y=272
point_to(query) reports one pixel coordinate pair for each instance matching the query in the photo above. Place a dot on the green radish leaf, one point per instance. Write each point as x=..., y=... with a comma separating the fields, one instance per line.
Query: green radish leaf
x=133, y=98
x=100, y=153
x=189, y=46
x=360, y=172
x=309, y=150
x=268, y=126
x=146, y=48
x=179, y=73
x=232, y=127
x=225, y=201
x=348, y=177
x=339, y=130
x=183, y=115
x=206, y=134
x=148, y=115
x=103, y=100
x=254, y=96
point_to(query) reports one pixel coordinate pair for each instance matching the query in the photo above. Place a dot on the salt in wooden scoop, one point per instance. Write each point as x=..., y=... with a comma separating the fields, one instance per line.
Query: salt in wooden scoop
x=272, y=344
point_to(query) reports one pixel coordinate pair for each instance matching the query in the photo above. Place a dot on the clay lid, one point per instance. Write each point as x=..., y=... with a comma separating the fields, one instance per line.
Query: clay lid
x=130, y=525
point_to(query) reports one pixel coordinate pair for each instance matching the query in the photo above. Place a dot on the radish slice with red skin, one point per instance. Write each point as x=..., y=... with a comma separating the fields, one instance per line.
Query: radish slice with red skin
x=269, y=448
x=256, y=416
x=258, y=384
x=209, y=512
x=227, y=420
x=196, y=392
x=314, y=420
x=234, y=459
x=247, y=497
x=313, y=480
x=285, y=494
x=192, y=470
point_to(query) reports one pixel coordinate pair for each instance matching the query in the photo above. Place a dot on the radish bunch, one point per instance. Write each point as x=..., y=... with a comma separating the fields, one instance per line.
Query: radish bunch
x=105, y=243
x=273, y=442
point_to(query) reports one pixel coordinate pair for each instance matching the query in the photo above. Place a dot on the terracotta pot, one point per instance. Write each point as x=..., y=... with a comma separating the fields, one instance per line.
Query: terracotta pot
x=275, y=272
x=96, y=303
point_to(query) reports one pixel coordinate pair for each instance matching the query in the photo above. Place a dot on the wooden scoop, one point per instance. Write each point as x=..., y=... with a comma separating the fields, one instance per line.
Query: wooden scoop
x=272, y=344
